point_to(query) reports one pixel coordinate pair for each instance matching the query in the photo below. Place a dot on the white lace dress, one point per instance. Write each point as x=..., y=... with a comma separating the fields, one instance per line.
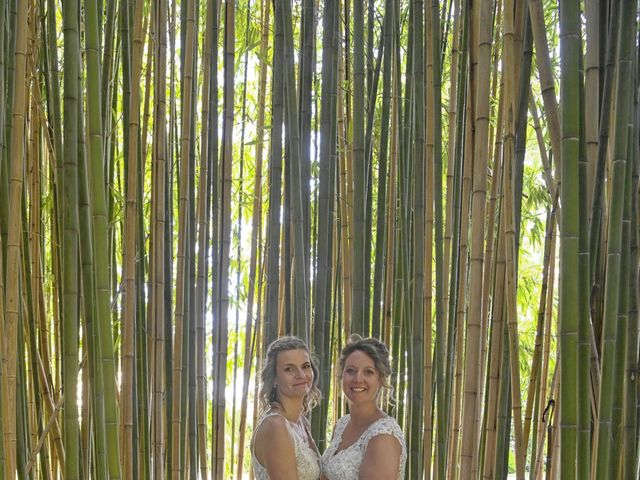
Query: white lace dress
x=345, y=464
x=307, y=456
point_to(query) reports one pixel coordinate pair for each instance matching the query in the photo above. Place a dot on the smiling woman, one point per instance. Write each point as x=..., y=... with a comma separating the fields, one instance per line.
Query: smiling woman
x=282, y=446
x=366, y=443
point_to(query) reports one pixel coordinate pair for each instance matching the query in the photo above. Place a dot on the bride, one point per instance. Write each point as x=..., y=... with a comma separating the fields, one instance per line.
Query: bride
x=282, y=446
x=367, y=443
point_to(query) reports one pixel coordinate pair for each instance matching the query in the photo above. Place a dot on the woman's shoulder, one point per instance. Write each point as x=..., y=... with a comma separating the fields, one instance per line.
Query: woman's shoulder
x=386, y=426
x=271, y=424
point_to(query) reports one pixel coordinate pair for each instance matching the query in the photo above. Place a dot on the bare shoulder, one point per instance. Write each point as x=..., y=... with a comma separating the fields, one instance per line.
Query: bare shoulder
x=384, y=444
x=270, y=434
x=382, y=458
x=272, y=425
x=274, y=448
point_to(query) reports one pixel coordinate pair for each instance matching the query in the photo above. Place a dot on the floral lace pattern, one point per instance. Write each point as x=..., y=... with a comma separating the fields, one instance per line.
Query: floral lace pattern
x=345, y=464
x=307, y=458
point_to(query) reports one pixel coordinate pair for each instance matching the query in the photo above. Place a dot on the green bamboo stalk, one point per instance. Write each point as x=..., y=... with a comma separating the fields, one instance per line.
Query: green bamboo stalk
x=305, y=96
x=275, y=187
x=225, y=239
x=301, y=296
x=441, y=330
x=371, y=328
x=603, y=440
x=53, y=74
x=452, y=117
x=455, y=200
x=616, y=461
x=326, y=202
x=360, y=315
x=380, y=252
x=417, y=322
x=109, y=68
x=251, y=342
x=214, y=168
x=238, y=239
x=569, y=241
x=630, y=462
x=504, y=408
x=203, y=215
x=431, y=363
x=584, y=325
x=70, y=238
x=100, y=233
x=545, y=71
x=92, y=331
x=597, y=204
x=592, y=89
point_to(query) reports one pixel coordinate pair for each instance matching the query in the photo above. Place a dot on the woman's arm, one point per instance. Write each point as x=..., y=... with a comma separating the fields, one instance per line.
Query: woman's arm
x=275, y=450
x=381, y=460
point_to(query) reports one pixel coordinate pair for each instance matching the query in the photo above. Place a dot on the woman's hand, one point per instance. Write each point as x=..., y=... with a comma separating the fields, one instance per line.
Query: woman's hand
x=381, y=460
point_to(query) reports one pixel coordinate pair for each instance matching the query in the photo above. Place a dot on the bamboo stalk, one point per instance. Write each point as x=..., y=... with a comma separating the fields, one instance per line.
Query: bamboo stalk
x=605, y=428
x=12, y=285
x=545, y=72
x=476, y=266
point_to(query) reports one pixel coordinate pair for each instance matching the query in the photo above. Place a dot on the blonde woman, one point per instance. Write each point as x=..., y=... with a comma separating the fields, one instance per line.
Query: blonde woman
x=367, y=443
x=282, y=447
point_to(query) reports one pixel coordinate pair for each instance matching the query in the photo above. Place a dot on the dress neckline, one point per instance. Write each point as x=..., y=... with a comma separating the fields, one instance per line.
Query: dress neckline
x=307, y=440
x=347, y=418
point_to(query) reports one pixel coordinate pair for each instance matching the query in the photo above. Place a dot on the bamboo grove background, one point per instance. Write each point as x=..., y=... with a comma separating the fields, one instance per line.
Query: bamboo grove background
x=181, y=182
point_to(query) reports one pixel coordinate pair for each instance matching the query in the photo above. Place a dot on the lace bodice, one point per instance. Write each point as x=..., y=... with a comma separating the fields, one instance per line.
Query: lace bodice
x=307, y=457
x=345, y=464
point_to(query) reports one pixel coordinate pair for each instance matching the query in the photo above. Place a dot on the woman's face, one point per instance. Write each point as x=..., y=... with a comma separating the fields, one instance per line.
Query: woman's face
x=360, y=378
x=294, y=375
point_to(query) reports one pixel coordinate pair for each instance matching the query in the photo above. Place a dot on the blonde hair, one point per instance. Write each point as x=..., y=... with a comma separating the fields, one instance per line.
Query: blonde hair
x=375, y=349
x=268, y=394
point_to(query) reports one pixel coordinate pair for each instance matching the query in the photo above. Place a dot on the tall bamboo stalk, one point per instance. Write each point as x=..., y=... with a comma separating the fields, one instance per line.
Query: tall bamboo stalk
x=130, y=252
x=417, y=323
x=569, y=240
x=70, y=238
x=14, y=235
x=360, y=309
x=157, y=251
x=326, y=214
x=252, y=333
x=100, y=233
x=605, y=428
x=476, y=264
x=225, y=240
x=509, y=212
x=546, y=76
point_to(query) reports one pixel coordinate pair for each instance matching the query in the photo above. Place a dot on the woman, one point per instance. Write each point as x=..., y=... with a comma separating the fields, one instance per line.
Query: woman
x=282, y=446
x=367, y=443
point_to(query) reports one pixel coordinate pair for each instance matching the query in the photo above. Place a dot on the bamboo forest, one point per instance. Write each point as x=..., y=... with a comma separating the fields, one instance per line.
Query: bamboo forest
x=184, y=181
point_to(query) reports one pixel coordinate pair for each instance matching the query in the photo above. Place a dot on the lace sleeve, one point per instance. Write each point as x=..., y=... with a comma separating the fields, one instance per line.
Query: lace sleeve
x=387, y=426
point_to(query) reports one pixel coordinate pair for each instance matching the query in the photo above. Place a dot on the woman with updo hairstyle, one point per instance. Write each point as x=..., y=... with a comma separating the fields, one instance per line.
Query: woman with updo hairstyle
x=281, y=445
x=367, y=443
